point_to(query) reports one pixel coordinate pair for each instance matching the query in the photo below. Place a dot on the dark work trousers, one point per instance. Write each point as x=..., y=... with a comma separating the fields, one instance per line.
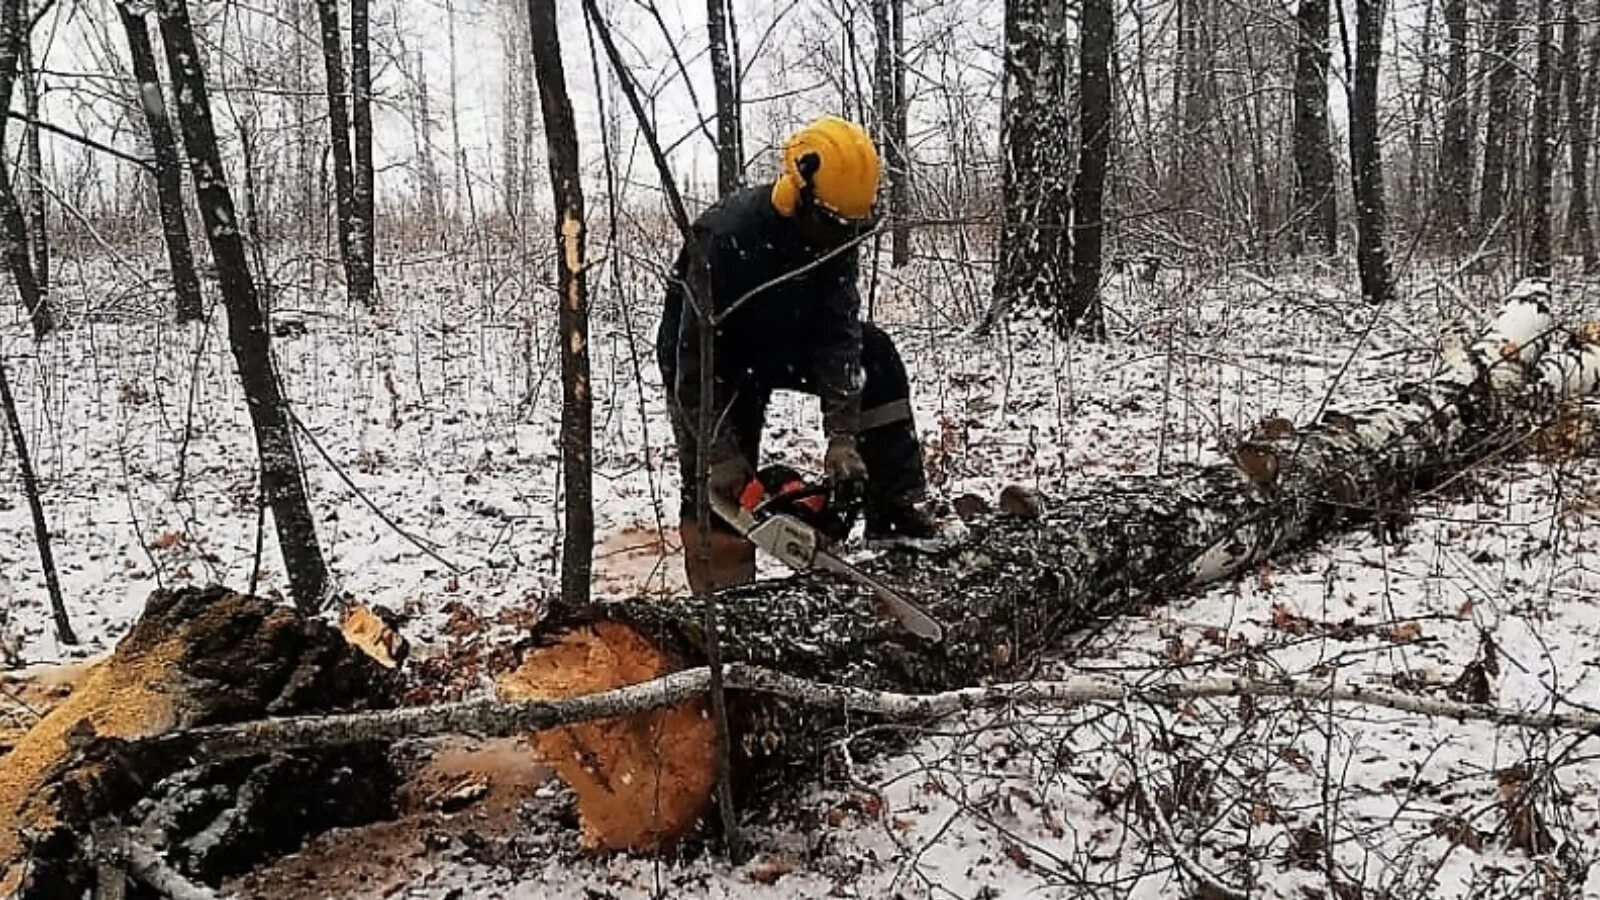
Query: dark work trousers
x=887, y=440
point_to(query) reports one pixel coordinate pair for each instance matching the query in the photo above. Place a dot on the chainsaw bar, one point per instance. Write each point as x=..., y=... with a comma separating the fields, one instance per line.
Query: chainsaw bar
x=800, y=547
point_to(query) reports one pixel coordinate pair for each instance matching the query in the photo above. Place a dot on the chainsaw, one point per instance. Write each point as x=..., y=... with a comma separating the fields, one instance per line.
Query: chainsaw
x=798, y=522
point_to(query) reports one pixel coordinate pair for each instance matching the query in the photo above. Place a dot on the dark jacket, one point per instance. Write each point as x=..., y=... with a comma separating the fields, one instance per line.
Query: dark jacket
x=803, y=332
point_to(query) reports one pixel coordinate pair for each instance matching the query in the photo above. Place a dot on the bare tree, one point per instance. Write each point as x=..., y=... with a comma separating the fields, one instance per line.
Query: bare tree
x=1035, y=269
x=1315, y=208
x=1454, y=198
x=429, y=191
x=514, y=41
x=282, y=480
x=1496, y=144
x=41, y=526
x=1580, y=89
x=33, y=168
x=168, y=166
x=730, y=135
x=1544, y=106
x=1096, y=35
x=19, y=256
x=339, y=136
x=1366, y=160
x=890, y=113
x=363, y=225
x=566, y=184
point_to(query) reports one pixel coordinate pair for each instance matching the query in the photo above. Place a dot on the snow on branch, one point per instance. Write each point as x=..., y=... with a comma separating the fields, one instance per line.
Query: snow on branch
x=490, y=718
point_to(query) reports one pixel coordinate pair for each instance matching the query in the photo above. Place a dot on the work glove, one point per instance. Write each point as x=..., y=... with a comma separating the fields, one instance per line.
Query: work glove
x=845, y=470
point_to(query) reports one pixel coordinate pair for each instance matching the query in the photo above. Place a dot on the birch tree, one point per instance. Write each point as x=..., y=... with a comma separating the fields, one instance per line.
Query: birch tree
x=1035, y=267
x=363, y=225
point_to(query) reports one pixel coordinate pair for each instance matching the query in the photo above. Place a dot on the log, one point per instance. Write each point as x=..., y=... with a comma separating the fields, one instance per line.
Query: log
x=1017, y=586
x=195, y=657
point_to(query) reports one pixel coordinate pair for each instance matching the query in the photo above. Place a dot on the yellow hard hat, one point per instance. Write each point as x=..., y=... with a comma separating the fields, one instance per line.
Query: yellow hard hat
x=843, y=176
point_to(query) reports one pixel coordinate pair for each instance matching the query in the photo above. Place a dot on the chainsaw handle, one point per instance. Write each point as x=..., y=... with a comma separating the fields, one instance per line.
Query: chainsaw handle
x=789, y=496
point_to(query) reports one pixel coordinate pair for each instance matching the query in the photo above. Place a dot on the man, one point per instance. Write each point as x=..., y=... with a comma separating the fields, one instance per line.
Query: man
x=778, y=253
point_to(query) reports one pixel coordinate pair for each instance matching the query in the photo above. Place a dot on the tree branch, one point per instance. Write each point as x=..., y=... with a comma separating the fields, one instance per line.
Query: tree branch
x=90, y=142
x=491, y=718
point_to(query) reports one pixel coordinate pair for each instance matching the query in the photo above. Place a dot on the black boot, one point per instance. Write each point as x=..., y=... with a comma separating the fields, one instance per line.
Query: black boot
x=909, y=524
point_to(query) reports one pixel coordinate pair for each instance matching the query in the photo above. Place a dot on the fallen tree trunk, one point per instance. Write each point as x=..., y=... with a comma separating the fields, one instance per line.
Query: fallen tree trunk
x=195, y=657
x=1016, y=587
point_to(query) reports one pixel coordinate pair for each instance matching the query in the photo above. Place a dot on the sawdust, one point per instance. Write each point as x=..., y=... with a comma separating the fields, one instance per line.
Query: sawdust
x=642, y=781
x=123, y=696
x=28, y=695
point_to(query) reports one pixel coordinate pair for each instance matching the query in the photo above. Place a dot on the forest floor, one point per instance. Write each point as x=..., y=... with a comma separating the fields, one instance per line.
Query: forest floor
x=435, y=473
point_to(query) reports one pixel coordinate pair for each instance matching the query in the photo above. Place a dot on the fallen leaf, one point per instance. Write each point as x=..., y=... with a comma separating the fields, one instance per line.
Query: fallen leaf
x=769, y=870
x=1019, y=856
x=1458, y=832
x=1404, y=633
x=1294, y=757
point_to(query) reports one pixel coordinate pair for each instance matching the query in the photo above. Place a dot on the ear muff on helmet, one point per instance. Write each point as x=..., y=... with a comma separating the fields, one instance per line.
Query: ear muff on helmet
x=832, y=163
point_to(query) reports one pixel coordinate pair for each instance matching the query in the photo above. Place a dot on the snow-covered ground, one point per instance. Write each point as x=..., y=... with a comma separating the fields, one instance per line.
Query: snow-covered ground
x=435, y=426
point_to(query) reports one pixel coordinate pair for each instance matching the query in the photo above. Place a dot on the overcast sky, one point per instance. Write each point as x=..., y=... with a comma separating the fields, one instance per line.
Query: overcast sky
x=788, y=47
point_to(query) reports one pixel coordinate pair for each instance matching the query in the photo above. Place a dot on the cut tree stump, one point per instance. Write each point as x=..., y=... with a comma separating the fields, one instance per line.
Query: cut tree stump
x=1018, y=586
x=195, y=656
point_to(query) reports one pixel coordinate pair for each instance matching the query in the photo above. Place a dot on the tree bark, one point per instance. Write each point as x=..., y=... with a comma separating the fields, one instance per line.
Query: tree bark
x=1496, y=143
x=1422, y=104
x=168, y=167
x=195, y=657
x=899, y=151
x=1034, y=277
x=1454, y=197
x=339, y=137
x=1366, y=160
x=429, y=189
x=19, y=257
x=566, y=184
x=1545, y=91
x=514, y=44
x=1097, y=32
x=883, y=77
x=282, y=480
x=458, y=165
x=33, y=168
x=41, y=525
x=363, y=227
x=1579, y=93
x=730, y=140
x=1016, y=587
x=1316, y=210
